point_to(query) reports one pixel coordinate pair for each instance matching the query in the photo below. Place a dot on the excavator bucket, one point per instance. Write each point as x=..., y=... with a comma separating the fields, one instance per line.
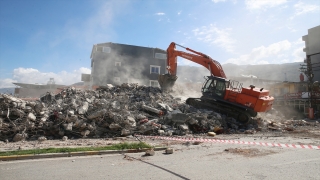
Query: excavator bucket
x=167, y=81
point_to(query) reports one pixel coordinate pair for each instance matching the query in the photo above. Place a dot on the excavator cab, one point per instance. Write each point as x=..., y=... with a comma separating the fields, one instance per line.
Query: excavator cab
x=215, y=87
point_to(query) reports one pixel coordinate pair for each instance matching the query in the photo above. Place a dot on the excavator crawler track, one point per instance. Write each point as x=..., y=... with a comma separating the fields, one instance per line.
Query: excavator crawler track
x=241, y=114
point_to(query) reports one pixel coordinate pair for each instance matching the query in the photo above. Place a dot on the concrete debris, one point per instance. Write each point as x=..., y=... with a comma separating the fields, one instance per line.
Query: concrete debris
x=19, y=137
x=64, y=138
x=218, y=130
x=153, y=110
x=42, y=138
x=250, y=131
x=211, y=134
x=125, y=132
x=83, y=109
x=179, y=117
x=196, y=142
x=169, y=151
x=31, y=117
x=124, y=110
x=150, y=152
x=85, y=133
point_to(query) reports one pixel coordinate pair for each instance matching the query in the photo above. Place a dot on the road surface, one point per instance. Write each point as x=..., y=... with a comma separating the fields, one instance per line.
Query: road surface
x=203, y=161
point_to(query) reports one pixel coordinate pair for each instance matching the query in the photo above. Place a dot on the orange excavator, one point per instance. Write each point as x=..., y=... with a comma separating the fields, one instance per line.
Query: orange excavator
x=218, y=93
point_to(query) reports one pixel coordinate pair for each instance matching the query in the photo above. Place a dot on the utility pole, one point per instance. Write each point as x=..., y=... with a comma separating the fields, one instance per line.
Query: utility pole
x=310, y=75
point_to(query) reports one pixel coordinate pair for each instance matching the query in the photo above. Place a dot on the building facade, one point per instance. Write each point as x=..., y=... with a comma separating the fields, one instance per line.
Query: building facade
x=312, y=50
x=312, y=67
x=289, y=90
x=113, y=63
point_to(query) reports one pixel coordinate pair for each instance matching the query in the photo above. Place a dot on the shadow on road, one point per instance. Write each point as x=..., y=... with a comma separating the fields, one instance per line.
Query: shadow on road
x=178, y=175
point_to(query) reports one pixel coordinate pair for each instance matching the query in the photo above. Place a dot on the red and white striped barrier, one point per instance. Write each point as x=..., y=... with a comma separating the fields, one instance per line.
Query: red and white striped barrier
x=232, y=142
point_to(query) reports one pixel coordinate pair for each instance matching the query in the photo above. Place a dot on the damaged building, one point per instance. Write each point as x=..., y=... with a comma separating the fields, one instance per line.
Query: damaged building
x=113, y=63
x=311, y=68
x=24, y=90
x=312, y=50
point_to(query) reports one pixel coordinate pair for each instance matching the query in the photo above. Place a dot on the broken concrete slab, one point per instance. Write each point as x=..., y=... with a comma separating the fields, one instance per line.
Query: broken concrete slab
x=20, y=137
x=169, y=151
x=150, y=152
x=179, y=117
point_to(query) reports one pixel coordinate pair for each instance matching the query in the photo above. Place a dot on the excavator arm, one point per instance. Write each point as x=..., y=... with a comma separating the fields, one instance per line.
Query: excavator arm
x=167, y=81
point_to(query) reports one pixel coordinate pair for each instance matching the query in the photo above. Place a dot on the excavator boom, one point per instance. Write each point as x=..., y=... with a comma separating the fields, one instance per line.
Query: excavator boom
x=167, y=81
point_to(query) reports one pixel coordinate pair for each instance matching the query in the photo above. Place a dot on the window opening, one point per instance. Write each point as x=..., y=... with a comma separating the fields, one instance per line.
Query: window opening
x=154, y=83
x=106, y=49
x=154, y=69
x=117, y=63
x=160, y=56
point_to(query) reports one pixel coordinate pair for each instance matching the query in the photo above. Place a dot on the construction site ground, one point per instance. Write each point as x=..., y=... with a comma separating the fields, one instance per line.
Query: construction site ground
x=190, y=160
x=306, y=135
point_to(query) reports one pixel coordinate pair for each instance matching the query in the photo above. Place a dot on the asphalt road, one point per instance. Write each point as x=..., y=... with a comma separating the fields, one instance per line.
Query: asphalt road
x=204, y=161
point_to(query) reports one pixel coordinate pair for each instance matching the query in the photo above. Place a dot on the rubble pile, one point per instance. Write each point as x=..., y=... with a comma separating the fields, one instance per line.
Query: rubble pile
x=109, y=111
x=276, y=121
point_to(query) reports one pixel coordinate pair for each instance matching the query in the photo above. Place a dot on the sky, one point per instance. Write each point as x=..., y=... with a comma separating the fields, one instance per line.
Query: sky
x=54, y=38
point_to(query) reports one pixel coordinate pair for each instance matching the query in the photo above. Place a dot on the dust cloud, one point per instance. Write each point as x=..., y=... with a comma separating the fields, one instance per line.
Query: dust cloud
x=104, y=71
x=185, y=91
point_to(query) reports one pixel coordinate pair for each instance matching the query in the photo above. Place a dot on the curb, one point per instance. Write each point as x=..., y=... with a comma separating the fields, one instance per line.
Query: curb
x=71, y=154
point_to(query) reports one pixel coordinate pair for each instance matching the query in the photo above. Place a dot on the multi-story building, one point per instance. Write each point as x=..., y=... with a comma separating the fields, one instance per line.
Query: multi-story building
x=312, y=67
x=312, y=50
x=113, y=63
